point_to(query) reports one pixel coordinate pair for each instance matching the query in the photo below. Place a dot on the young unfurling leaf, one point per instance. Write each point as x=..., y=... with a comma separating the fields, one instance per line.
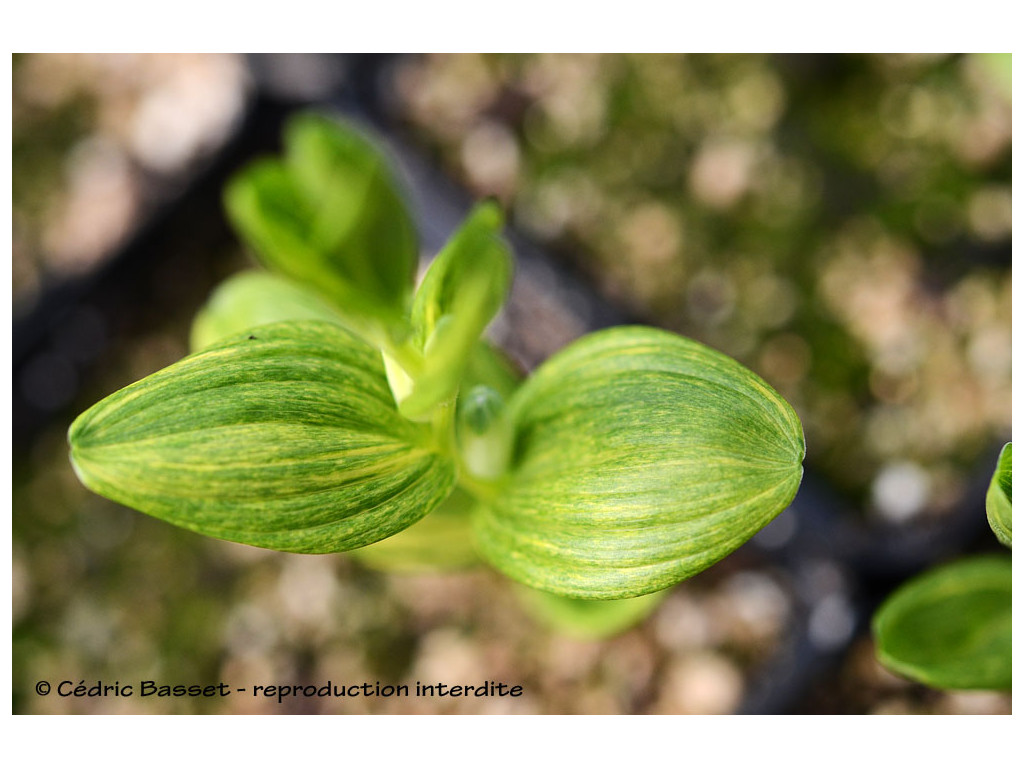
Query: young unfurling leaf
x=330, y=216
x=461, y=292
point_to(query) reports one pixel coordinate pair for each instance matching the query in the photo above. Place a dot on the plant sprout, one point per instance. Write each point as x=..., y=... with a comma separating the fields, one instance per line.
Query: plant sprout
x=331, y=405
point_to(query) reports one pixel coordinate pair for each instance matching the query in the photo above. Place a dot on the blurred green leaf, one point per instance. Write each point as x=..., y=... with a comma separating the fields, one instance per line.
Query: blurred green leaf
x=641, y=458
x=588, y=619
x=999, y=499
x=951, y=627
x=286, y=438
x=999, y=66
x=461, y=293
x=441, y=541
x=254, y=298
x=330, y=216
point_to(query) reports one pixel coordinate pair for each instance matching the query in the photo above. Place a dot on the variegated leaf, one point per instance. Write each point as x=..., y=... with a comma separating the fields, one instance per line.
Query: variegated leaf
x=641, y=458
x=286, y=438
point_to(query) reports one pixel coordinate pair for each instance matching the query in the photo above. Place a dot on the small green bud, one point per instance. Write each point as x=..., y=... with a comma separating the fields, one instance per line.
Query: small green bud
x=484, y=432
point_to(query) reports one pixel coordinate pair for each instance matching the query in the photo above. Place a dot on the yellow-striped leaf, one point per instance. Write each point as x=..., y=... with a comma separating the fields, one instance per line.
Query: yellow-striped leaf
x=286, y=438
x=640, y=459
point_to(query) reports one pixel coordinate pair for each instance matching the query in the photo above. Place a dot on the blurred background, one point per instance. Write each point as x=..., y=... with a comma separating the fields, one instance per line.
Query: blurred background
x=841, y=224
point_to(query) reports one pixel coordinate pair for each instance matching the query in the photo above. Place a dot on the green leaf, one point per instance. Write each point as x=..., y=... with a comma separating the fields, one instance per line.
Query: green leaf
x=254, y=298
x=441, y=541
x=330, y=216
x=999, y=68
x=641, y=458
x=588, y=619
x=286, y=438
x=998, y=501
x=461, y=293
x=951, y=627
